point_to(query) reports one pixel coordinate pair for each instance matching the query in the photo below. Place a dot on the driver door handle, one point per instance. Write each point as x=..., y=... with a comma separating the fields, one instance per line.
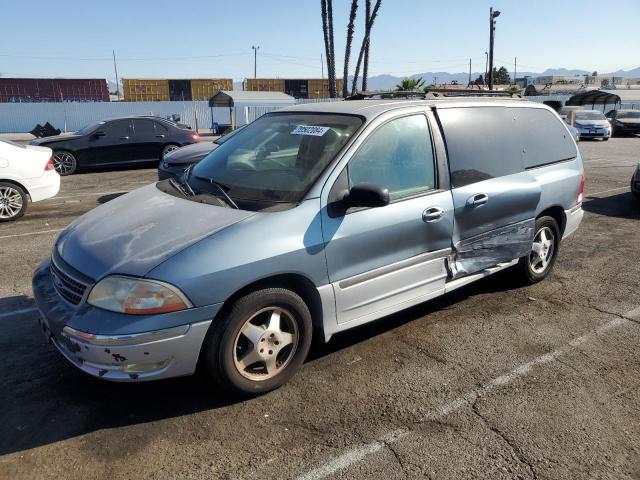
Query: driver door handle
x=160, y=136
x=124, y=138
x=432, y=214
x=477, y=200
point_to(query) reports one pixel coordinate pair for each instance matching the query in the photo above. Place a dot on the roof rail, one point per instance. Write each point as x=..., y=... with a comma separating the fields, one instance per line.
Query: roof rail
x=383, y=95
x=471, y=93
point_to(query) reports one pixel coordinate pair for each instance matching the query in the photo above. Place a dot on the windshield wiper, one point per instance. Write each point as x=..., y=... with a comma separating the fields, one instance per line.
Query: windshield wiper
x=220, y=187
x=178, y=186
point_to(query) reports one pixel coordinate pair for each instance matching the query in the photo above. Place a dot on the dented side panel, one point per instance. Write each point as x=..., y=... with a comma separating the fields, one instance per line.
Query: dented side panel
x=487, y=249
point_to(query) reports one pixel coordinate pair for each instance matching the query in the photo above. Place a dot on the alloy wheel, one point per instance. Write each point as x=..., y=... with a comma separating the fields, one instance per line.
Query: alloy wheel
x=168, y=149
x=64, y=162
x=11, y=202
x=542, y=250
x=266, y=343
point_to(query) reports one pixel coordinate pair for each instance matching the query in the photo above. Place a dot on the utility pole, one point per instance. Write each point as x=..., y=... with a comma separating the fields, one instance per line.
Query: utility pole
x=492, y=29
x=115, y=67
x=486, y=67
x=255, y=61
x=515, y=69
x=469, y=73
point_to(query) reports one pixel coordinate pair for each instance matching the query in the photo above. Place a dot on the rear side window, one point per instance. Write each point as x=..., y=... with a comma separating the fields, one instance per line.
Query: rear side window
x=399, y=156
x=489, y=142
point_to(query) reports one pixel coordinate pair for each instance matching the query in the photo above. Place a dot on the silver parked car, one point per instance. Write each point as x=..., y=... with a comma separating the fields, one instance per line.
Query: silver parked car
x=592, y=124
x=310, y=221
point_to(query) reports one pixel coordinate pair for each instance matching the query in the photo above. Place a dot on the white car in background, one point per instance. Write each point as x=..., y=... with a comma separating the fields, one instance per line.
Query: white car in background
x=26, y=173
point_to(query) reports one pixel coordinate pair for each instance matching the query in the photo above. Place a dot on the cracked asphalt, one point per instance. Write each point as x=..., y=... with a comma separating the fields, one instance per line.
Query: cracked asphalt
x=492, y=381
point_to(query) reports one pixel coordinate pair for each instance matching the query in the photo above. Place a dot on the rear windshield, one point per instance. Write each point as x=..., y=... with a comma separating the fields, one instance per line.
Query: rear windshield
x=277, y=158
x=590, y=116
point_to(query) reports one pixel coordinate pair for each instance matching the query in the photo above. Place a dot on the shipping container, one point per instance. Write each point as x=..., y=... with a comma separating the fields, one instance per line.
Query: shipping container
x=145, y=90
x=205, y=88
x=298, y=88
x=53, y=90
x=179, y=90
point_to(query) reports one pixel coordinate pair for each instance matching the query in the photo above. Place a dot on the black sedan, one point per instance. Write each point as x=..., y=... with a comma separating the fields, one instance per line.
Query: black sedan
x=120, y=141
x=624, y=122
x=175, y=163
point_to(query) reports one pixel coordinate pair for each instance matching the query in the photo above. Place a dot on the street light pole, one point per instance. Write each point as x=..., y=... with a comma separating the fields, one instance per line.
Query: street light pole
x=255, y=61
x=492, y=29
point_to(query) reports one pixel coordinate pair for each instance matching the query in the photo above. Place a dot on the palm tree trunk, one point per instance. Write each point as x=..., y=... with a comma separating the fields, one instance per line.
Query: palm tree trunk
x=365, y=64
x=347, y=53
x=327, y=41
x=332, y=66
x=365, y=40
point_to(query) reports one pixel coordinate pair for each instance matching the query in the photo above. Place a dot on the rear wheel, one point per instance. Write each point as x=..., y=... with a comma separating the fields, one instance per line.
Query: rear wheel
x=64, y=162
x=544, y=251
x=260, y=343
x=13, y=202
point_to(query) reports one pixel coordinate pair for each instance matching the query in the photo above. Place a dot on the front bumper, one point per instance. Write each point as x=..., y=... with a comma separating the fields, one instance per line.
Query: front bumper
x=163, y=352
x=597, y=132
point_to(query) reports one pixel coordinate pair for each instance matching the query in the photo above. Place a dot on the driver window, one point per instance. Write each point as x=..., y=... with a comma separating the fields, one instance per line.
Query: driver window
x=399, y=156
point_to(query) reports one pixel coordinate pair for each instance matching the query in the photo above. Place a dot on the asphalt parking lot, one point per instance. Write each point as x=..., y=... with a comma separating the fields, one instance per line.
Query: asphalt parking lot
x=491, y=381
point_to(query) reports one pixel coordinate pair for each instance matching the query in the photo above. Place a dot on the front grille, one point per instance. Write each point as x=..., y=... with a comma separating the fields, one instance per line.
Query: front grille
x=68, y=288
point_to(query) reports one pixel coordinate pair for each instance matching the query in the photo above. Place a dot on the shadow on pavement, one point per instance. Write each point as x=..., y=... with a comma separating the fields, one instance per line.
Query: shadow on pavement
x=622, y=205
x=47, y=400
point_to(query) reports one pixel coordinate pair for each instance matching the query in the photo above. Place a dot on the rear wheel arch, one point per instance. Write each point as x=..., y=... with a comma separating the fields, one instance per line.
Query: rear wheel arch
x=557, y=213
x=17, y=184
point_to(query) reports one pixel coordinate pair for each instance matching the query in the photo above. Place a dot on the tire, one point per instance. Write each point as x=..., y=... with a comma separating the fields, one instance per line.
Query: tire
x=13, y=202
x=168, y=149
x=64, y=162
x=243, y=345
x=533, y=268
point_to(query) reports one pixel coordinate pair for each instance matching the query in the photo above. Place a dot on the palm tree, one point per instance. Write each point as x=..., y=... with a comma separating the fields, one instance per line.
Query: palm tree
x=410, y=85
x=347, y=53
x=367, y=33
x=327, y=30
x=365, y=64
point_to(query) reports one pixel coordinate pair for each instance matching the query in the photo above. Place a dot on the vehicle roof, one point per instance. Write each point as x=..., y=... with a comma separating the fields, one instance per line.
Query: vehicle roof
x=372, y=108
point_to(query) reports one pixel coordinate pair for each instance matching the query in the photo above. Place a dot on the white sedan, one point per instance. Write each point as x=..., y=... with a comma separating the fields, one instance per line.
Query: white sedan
x=26, y=173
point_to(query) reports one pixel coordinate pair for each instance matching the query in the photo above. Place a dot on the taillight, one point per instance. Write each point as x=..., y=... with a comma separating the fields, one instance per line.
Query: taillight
x=49, y=165
x=581, y=190
x=195, y=136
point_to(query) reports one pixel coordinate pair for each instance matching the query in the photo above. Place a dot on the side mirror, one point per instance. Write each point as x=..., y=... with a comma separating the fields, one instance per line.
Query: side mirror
x=367, y=195
x=99, y=133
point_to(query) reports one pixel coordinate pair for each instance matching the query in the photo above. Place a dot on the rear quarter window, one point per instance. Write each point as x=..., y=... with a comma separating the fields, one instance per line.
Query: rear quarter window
x=489, y=142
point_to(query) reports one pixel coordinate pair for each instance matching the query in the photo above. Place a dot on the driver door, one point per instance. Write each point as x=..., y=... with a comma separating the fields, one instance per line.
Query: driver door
x=383, y=259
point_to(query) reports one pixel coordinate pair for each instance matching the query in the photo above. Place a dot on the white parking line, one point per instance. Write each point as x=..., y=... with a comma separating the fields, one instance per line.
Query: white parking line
x=607, y=191
x=357, y=454
x=41, y=232
x=18, y=312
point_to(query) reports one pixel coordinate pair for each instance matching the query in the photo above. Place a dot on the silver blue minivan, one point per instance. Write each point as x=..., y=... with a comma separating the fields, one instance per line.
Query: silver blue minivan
x=312, y=220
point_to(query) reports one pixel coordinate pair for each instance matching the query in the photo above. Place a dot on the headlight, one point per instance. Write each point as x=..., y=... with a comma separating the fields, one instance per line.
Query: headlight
x=137, y=296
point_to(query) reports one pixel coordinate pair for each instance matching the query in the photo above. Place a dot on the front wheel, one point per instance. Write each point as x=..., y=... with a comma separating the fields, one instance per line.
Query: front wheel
x=64, y=162
x=260, y=343
x=544, y=251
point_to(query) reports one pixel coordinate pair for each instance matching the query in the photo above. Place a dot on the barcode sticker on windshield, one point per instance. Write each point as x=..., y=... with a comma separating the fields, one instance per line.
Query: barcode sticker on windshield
x=310, y=130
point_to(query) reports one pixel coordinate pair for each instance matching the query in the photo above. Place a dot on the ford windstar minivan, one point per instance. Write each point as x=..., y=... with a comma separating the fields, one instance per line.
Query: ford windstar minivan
x=312, y=220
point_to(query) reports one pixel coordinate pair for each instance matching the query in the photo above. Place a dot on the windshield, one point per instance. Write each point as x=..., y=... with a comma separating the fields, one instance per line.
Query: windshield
x=276, y=158
x=89, y=128
x=628, y=115
x=590, y=116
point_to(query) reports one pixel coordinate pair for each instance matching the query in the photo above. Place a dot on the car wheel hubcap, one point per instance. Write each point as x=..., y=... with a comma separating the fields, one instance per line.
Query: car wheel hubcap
x=10, y=202
x=542, y=250
x=266, y=343
x=168, y=149
x=63, y=162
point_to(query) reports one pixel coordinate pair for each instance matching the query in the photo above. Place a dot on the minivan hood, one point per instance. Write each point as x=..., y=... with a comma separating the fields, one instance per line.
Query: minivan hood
x=53, y=139
x=135, y=232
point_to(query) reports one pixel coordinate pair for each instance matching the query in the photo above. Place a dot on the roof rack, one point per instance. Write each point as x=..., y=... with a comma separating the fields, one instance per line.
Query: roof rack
x=433, y=94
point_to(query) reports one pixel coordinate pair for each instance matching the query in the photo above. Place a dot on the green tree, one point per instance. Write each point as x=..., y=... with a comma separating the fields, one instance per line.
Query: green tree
x=410, y=85
x=501, y=76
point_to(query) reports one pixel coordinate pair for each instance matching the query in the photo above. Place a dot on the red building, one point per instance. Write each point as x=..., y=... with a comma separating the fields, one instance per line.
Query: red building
x=53, y=90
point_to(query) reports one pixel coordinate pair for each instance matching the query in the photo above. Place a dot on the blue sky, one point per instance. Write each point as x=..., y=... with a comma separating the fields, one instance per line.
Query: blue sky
x=190, y=38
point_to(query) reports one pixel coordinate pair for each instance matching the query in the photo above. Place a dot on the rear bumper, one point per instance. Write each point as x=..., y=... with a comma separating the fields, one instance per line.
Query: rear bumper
x=47, y=186
x=574, y=217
